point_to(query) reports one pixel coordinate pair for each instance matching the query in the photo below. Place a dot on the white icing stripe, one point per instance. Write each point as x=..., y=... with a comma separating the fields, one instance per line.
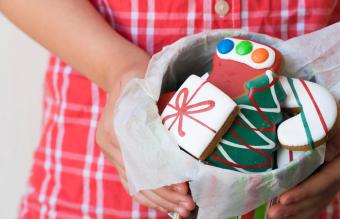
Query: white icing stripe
x=277, y=109
x=271, y=144
x=290, y=101
x=246, y=59
x=228, y=158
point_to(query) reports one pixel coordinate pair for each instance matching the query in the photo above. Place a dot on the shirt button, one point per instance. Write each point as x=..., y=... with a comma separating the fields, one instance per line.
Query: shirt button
x=222, y=7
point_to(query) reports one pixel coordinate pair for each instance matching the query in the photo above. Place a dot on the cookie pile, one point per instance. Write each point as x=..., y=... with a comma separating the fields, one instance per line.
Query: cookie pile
x=244, y=111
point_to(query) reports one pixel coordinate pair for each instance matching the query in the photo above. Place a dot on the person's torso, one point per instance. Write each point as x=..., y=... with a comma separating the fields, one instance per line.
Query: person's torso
x=69, y=168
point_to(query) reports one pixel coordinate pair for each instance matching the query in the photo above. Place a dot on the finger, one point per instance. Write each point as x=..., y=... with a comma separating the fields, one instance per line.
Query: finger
x=124, y=182
x=141, y=199
x=280, y=211
x=310, y=214
x=163, y=203
x=182, y=188
x=313, y=186
x=176, y=198
x=276, y=212
x=315, y=203
x=332, y=150
x=115, y=158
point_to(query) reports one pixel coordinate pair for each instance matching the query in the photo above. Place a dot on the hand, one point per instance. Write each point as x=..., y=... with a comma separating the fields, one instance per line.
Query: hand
x=170, y=198
x=333, y=146
x=308, y=199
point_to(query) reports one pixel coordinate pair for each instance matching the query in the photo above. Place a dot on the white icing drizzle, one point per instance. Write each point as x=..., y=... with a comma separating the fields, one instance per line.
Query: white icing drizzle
x=246, y=59
x=270, y=144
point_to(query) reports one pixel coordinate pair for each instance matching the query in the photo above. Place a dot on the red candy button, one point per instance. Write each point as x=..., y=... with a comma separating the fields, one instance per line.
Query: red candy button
x=260, y=55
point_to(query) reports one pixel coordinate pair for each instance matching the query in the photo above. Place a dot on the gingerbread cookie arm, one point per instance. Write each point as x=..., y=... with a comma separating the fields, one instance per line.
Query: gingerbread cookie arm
x=317, y=112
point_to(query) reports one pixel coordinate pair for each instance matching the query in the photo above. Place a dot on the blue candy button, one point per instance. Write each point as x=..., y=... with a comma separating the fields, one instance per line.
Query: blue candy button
x=225, y=46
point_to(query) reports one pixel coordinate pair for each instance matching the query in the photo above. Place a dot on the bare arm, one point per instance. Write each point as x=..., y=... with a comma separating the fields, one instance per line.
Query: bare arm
x=75, y=32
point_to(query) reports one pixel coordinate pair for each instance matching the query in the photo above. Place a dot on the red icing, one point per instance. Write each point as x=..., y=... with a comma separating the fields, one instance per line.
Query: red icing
x=183, y=108
x=236, y=165
x=291, y=156
x=322, y=120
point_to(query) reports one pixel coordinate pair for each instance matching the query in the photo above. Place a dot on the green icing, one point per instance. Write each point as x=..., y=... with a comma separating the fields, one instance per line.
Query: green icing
x=303, y=116
x=244, y=47
x=233, y=148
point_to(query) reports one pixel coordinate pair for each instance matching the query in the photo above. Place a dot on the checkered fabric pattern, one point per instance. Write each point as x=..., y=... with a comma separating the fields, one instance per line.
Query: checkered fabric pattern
x=70, y=178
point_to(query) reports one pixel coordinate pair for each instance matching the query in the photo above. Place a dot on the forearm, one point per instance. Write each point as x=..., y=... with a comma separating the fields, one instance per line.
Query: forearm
x=75, y=32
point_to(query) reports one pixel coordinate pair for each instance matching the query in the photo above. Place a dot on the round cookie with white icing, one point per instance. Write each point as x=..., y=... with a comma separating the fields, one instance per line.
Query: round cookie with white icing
x=316, y=115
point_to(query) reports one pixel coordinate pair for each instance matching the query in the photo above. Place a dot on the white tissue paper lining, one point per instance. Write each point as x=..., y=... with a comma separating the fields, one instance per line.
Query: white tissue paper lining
x=151, y=156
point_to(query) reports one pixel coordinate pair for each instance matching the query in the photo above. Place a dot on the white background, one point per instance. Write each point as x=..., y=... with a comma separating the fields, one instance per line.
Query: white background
x=22, y=67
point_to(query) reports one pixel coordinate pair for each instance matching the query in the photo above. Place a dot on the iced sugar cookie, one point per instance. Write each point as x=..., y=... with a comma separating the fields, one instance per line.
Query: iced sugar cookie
x=316, y=115
x=248, y=72
x=285, y=156
x=198, y=115
x=249, y=144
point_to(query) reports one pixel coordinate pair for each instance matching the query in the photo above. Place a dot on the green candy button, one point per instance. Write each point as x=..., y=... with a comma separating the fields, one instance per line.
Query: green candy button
x=244, y=48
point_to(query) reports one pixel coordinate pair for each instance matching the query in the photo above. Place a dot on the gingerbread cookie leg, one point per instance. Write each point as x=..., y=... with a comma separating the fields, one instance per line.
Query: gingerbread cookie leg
x=317, y=112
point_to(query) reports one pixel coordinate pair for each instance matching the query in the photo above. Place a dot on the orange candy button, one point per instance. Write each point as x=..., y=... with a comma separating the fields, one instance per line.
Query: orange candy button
x=260, y=55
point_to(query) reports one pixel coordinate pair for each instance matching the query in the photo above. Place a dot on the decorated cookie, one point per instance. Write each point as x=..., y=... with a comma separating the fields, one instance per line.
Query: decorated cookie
x=198, y=115
x=248, y=72
x=316, y=115
x=249, y=144
x=285, y=156
x=238, y=60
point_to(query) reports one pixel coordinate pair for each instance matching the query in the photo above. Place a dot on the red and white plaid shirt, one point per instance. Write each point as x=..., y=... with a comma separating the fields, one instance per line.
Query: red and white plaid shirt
x=70, y=177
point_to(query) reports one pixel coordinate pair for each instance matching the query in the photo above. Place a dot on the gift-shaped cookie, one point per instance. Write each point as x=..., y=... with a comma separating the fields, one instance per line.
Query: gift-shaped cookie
x=198, y=115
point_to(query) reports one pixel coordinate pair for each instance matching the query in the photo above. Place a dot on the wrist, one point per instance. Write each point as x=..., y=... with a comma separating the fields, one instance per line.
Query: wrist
x=118, y=78
x=115, y=85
